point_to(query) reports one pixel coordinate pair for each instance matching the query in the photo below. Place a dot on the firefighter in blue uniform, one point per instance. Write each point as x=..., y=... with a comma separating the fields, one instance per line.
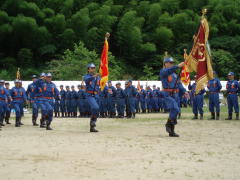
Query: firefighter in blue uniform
x=74, y=102
x=233, y=88
x=31, y=97
x=142, y=95
x=120, y=100
x=155, y=95
x=18, y=99
x=92, y=81
x=149, y=99
x=8, y=110
x=170, y=90
x=62, y=94
x=4, y=94
x=103, y=103
x=214, y=86
x=111, y=100
x=130, y=96
x=49, y=92
x=68, y=101
x=198, y=99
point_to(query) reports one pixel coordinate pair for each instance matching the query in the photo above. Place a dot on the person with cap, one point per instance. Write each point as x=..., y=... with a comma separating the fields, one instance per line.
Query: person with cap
x=18, y=99
x=155, y=95
x=142, y=95
x=31, y=97
x=198, y=99
x=8, y=108
x=62, y=94
x=171, y=85
x=232, y=98
x=120, y=100
x=49, y=92
x=130, y=96
x=74, y=101
x=103, y=102
x=111, y=100
x=68, y=101
x=92, y=81
x=149, y=96
x=214, y=86
x=4, y=94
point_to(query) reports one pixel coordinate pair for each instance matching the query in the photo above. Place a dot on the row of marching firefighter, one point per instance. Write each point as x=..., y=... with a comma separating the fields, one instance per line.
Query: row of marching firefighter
x=68, y=101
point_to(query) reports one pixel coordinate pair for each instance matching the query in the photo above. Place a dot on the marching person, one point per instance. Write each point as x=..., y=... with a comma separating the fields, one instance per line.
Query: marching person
x=198, y=99
x=8, y=110
x=4, y=94
x=214, y=86
x=232, y=98
x=18, y=98
x=31, y=97
x=171, y=87
x=92, y=81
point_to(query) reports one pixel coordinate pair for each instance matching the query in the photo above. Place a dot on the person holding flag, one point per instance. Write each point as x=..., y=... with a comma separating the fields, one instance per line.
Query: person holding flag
x=94, y=82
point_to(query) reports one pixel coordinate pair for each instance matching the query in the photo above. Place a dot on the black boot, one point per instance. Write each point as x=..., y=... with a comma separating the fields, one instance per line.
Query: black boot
x=168, y=126
x=55, y=114
x=93, y=121
x=62, y=115
x=229, y=116
x=173, y=134
x=237, y=116
x=48, y=125
x=7, y=118
x=212, y=116
x=20, y=121
x=133, y=115
x=42, y=123
x=217, y=115
x=195, y=116
x=129, y=115
x=17, y=123
x=34, y=119
x=179, y=115
x=201, y=116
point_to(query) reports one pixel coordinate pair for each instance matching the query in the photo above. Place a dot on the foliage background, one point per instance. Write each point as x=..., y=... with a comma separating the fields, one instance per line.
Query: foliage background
x=62, y=36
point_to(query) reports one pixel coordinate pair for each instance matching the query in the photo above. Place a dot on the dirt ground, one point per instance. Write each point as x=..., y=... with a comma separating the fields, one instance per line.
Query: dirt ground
x=123, y=149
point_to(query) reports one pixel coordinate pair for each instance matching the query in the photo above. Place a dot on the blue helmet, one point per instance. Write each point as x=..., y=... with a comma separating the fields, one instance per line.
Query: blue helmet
x=42, y=74
x=17, y=81
x=168, y=59
x=49, y=75
x=91, y=65
x=118, y=83
x=231, y=74
x=109, y=81
x=2, y=81
x=34, y=76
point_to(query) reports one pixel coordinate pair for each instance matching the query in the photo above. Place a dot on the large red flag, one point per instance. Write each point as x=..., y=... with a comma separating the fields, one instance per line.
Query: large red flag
x=104, y=65
x=199, y=58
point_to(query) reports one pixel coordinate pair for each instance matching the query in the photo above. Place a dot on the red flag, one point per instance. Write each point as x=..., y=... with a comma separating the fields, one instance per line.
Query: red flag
x=185, y=74
x=199, y=59
x=104, y=65
x=138, y=86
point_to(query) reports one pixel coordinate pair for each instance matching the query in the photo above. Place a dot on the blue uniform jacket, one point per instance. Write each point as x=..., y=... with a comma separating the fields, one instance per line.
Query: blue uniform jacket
x=92, y=84
x=214, y=85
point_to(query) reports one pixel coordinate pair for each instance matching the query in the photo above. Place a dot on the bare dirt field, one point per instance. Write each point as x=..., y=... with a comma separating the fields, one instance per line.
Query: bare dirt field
x=123, y=149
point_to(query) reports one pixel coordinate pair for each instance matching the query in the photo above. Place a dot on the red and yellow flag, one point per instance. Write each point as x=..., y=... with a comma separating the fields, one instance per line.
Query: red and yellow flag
x=104, y=65
x=185, y=74
x=199, y=59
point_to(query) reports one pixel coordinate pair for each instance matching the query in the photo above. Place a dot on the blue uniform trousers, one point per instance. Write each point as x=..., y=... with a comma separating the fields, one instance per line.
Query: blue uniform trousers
x=232, y=101
x=74, y=105
x=93, y=102
x=171, y=103
x=46, y=108
x=3, y=108
x=68, y=106
x=111, y=105
x=198, y=104
x=120, y=106
x=214, y=102
x=143, y=104
x=62, y=106
x=103, y=104
x=17, y=106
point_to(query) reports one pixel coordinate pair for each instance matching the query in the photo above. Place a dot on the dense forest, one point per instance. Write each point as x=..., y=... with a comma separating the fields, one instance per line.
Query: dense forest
x=62, y=36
